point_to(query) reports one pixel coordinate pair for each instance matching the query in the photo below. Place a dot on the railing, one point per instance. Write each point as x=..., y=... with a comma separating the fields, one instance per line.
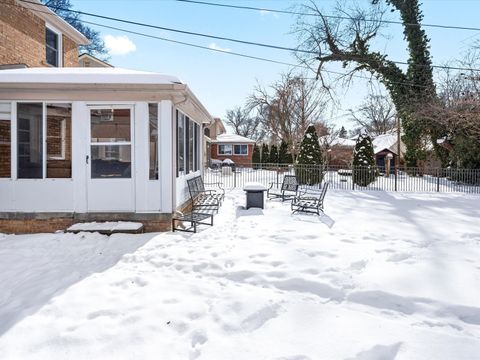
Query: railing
x=402, y=179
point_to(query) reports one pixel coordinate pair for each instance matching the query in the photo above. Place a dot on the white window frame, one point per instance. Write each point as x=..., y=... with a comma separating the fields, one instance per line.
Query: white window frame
x=225, y=153
x=234, y=153
x=59, y=45
x=14, y=151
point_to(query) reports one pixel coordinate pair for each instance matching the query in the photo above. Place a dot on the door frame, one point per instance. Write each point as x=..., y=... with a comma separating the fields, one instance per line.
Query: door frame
x=88, y=163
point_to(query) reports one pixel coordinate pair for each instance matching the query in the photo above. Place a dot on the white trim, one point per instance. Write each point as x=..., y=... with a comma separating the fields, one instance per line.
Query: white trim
x=59, y=44
x=240, y=145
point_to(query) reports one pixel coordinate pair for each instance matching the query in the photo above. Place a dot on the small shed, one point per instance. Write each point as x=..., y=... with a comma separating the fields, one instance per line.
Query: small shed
x=386, y=144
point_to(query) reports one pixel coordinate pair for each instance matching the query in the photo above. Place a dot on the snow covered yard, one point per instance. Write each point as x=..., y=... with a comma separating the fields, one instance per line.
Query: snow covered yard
x=381, y=276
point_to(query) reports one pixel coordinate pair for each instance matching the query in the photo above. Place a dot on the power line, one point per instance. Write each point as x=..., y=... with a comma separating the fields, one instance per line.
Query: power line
x=277, y=47
x=245, y=55
x=328, y=16
x=234, y=53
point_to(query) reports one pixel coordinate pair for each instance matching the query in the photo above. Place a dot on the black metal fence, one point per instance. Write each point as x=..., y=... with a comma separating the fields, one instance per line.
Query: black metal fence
x=401, y=179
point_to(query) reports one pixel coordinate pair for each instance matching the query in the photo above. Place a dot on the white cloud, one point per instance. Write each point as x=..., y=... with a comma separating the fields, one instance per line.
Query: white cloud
x=217, y=47
x=267, y=12
x=119, y=45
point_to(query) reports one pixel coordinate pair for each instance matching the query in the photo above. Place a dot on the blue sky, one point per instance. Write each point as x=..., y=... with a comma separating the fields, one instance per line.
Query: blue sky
x=222, y=81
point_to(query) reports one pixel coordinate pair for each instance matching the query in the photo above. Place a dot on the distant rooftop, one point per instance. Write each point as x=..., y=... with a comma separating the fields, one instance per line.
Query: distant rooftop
x=232, y=138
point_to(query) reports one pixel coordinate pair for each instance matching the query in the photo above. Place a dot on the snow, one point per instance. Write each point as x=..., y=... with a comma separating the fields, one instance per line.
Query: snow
x=385, y=141
x=232, y=138
x=379, y=276
x=80, y=75
x=254, y=186
x=108, y=226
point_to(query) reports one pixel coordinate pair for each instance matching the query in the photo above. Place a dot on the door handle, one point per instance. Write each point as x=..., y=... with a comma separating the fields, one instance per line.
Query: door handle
x=86, y=159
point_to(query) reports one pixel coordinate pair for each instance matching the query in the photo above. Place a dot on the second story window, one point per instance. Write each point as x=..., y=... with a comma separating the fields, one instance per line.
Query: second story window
x=52, y=46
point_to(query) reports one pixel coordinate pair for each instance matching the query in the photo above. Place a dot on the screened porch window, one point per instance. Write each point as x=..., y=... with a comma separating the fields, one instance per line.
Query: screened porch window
x=153, y=139
x=30, y=140
x=5, y=140
x=188, y=144
x=111, y=147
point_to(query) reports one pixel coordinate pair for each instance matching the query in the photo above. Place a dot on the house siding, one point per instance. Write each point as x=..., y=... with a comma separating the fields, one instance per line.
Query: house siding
x=22, y=38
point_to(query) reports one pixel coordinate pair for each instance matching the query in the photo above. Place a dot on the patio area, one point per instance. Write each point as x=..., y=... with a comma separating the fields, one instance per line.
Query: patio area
x=379, y=276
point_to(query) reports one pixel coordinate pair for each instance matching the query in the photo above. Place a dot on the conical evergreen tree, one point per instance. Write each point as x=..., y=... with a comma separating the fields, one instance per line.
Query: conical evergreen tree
x=273, y=154
x=284, y=157
x=364, y=169
x=308, y=168
x=265, y=154
x=256, y=159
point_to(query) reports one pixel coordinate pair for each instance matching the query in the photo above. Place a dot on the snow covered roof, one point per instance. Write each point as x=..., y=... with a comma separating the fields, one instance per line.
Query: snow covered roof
x=232, y=138
x=81, y=75
x=327, y=139
x=385, y=141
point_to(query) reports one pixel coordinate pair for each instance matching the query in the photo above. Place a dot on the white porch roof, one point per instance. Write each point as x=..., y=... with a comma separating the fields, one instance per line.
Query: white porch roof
x=79, y=75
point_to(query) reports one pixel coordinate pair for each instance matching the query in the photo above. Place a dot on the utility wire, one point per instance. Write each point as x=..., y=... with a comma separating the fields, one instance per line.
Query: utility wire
x=329, y=16
x=234, y=53
x=234, y=40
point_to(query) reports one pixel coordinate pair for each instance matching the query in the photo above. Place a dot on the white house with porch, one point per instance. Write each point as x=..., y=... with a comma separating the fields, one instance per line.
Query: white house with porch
x=96, y=144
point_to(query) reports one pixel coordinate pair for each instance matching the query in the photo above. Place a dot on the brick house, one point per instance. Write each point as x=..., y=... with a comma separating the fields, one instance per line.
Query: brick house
x=31, y=35
x=237, y=148
x=87, y=143
x=87, y=60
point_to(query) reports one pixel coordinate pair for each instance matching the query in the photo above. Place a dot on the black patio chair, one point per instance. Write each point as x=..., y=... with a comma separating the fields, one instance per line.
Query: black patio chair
x=309, y=201
x=287, y=191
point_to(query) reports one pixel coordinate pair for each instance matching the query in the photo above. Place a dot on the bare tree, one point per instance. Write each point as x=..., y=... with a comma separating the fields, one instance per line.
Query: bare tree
x=457, y=110
x=288, y=107
x=376, y=115
x=244, y=123
x=347, y=39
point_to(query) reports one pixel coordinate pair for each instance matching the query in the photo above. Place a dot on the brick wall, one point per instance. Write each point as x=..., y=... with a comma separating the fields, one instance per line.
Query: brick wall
x=22, y=38
x=237, y=159
x=29, y=223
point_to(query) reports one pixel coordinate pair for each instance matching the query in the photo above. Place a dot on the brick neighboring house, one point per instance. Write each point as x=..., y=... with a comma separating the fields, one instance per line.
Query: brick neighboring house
x=237, y=148
x=339, y=151
x=87, y=60
x=31, y=35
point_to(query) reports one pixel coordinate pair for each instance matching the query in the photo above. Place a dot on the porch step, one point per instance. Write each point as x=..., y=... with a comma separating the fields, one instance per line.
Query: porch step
x=107, y=227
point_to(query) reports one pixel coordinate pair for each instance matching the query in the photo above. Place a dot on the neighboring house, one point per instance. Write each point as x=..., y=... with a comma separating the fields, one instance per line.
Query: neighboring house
x=387, y=144
x=338, y=151
x=96, y=144
x=87, y=60
x=31, y=35
x=237, y=148
x=215, y=128
x=211, y=131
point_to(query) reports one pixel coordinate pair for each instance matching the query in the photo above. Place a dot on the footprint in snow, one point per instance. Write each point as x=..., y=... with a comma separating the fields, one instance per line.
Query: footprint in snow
x=383, y=352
